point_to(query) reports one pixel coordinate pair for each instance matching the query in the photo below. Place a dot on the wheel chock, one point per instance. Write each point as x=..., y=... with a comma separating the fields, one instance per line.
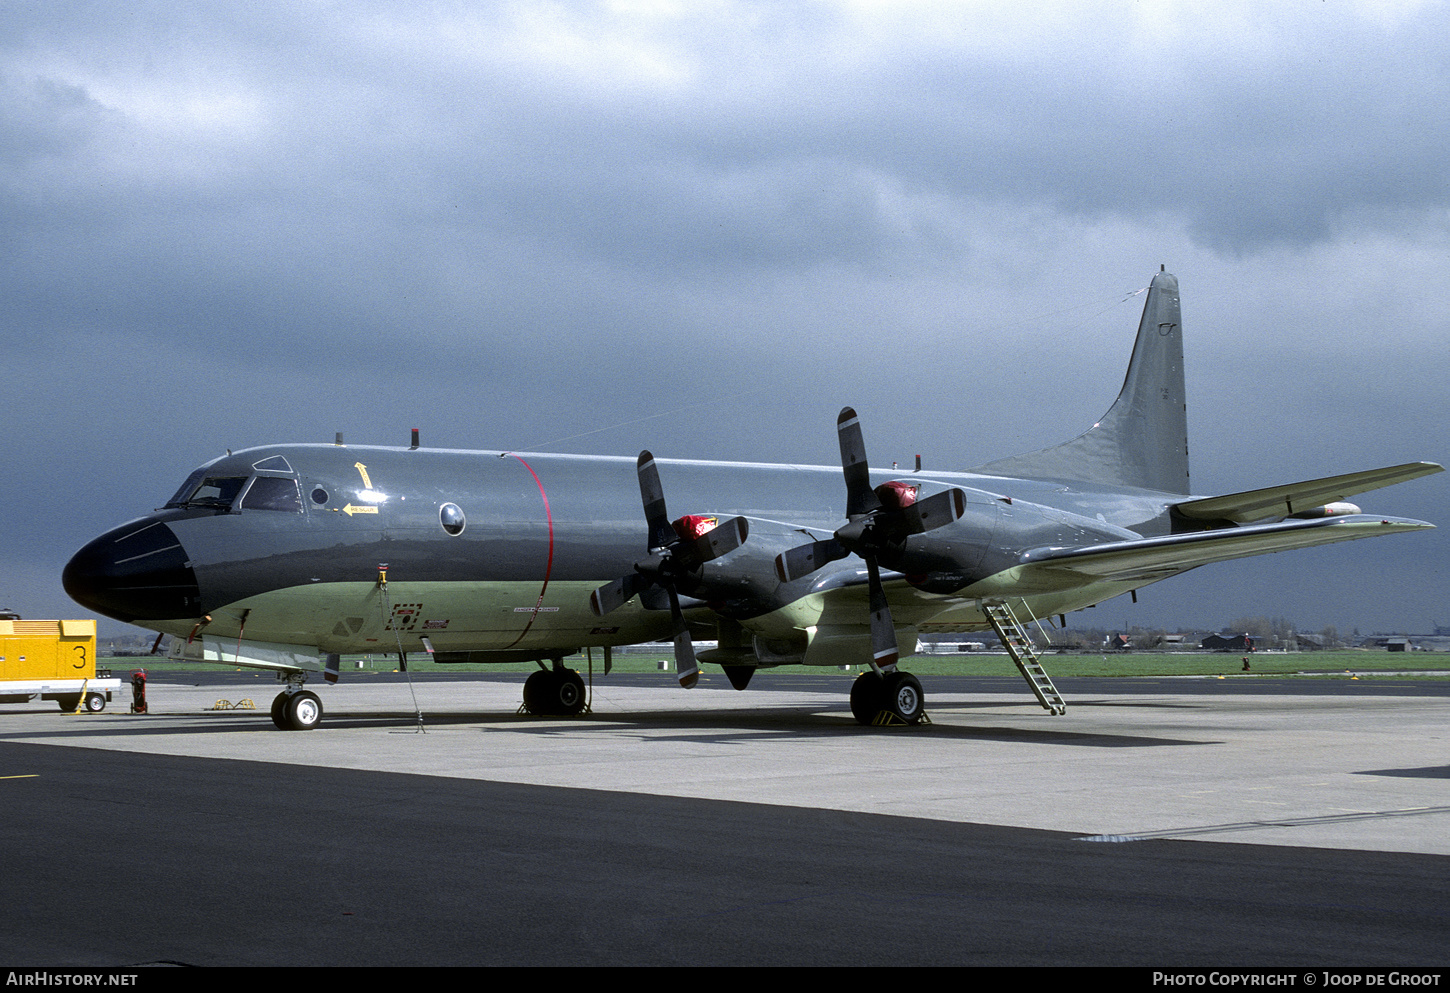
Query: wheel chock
x=886, y=719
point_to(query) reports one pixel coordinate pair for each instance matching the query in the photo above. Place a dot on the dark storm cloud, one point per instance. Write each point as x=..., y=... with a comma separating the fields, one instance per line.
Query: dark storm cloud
x=324, y=166
x=706, y=227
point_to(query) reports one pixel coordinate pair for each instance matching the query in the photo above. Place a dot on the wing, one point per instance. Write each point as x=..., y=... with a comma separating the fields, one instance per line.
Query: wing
x=1295, y=498
x=1151, y=559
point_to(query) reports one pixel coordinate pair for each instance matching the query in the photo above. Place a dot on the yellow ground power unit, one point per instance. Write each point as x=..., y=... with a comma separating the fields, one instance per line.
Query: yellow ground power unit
x=53, y=660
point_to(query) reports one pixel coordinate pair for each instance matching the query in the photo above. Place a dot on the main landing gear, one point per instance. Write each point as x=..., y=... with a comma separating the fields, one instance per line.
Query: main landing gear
x=887, y=697
x=296, y=709
x=557, y=691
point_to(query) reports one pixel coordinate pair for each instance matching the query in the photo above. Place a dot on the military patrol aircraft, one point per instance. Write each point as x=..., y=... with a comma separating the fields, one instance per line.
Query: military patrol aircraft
x=286, y=556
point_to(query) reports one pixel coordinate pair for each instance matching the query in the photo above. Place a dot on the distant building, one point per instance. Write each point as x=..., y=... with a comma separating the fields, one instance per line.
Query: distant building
x=1228, y=643
x=1390, y=642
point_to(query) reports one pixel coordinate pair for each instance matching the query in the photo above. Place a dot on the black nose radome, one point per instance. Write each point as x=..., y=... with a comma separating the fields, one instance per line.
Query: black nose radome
x=137, y=572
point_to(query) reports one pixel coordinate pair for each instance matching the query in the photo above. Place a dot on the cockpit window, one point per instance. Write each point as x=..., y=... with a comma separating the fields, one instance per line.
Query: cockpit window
x=214, y=491
x=276, y=463
x=273, y=493
x=187, y=489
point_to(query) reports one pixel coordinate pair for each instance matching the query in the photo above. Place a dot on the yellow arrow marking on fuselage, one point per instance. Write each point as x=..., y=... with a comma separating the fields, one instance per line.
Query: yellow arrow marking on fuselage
x=367, y=483
x=349, y=510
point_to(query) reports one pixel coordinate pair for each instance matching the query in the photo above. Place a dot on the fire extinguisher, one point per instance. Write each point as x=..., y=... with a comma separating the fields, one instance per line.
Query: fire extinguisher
x=138, y=692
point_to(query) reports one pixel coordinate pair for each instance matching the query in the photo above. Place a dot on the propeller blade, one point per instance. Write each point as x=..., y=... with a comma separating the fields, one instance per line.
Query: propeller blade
x=652, y=493
x=935, y=511
x=654, y=598
x=860, y=498
x=724, y=537
x=883, y=632
x=686, y=668
x=685, y=664
x=803, y=560
x=617, y=594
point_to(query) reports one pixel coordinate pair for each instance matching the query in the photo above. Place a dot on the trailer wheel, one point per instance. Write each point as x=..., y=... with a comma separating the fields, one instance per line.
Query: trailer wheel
x=95, y=703
x=69, y=702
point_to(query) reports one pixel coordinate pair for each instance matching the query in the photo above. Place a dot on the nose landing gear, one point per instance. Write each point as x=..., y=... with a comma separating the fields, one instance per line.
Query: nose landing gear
x=296, y=709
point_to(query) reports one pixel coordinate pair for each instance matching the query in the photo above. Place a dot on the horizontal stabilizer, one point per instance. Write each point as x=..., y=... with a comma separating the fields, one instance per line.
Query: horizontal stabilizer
x=1151, y=559
x=1295, y=498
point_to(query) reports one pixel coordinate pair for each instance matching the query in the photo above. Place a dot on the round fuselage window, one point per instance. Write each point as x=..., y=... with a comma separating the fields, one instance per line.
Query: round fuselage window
x=450, y=515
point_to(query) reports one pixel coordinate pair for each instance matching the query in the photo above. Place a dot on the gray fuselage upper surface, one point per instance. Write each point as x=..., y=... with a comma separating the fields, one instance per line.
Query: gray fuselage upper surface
x=566, y=517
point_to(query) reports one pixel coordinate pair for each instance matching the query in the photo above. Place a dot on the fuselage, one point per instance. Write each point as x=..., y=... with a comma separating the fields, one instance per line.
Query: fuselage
x=490, y=551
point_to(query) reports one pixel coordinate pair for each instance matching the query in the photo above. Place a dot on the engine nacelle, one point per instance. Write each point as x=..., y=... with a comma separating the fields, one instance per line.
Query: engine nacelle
x=990, y=536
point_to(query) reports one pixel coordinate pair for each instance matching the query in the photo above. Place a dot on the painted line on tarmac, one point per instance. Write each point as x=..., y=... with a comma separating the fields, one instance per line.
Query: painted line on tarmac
x=1257, y=825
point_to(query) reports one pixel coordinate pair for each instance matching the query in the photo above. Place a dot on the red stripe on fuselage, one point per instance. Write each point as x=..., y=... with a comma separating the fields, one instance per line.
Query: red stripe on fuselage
x=549, y=566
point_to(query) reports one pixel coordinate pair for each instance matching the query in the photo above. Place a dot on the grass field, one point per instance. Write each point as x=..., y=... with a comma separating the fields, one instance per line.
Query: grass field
x=1341, y=664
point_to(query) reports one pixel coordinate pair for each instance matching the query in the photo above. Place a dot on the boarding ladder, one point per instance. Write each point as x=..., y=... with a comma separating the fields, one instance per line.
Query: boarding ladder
x=1015, y=639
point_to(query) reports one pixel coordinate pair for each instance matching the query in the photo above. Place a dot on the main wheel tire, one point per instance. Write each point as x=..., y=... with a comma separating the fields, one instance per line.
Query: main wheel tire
x=304, y=711
x=537, y=692
x=279, y=712
x=868, y=697
x=904, y=697
x=95, y=703
x=568, y=687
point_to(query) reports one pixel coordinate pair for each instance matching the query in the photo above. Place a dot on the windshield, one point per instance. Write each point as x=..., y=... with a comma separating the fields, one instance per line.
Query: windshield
x=214, y=491
x=221, y=492
x=187, y=488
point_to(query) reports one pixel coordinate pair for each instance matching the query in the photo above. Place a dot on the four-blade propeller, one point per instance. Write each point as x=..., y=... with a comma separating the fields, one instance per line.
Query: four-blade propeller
x=676, y=552
x=878, y=522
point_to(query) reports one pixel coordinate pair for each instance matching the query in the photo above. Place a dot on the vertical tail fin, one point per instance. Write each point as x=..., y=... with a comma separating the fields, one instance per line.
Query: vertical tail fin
x=1143, y=438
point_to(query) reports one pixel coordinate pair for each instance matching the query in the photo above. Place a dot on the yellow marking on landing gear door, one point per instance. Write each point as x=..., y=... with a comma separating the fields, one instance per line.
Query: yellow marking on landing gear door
x=363, y=471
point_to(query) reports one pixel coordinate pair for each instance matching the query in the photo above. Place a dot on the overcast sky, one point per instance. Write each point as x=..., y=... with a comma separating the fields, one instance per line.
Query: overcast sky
x=703, y=228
